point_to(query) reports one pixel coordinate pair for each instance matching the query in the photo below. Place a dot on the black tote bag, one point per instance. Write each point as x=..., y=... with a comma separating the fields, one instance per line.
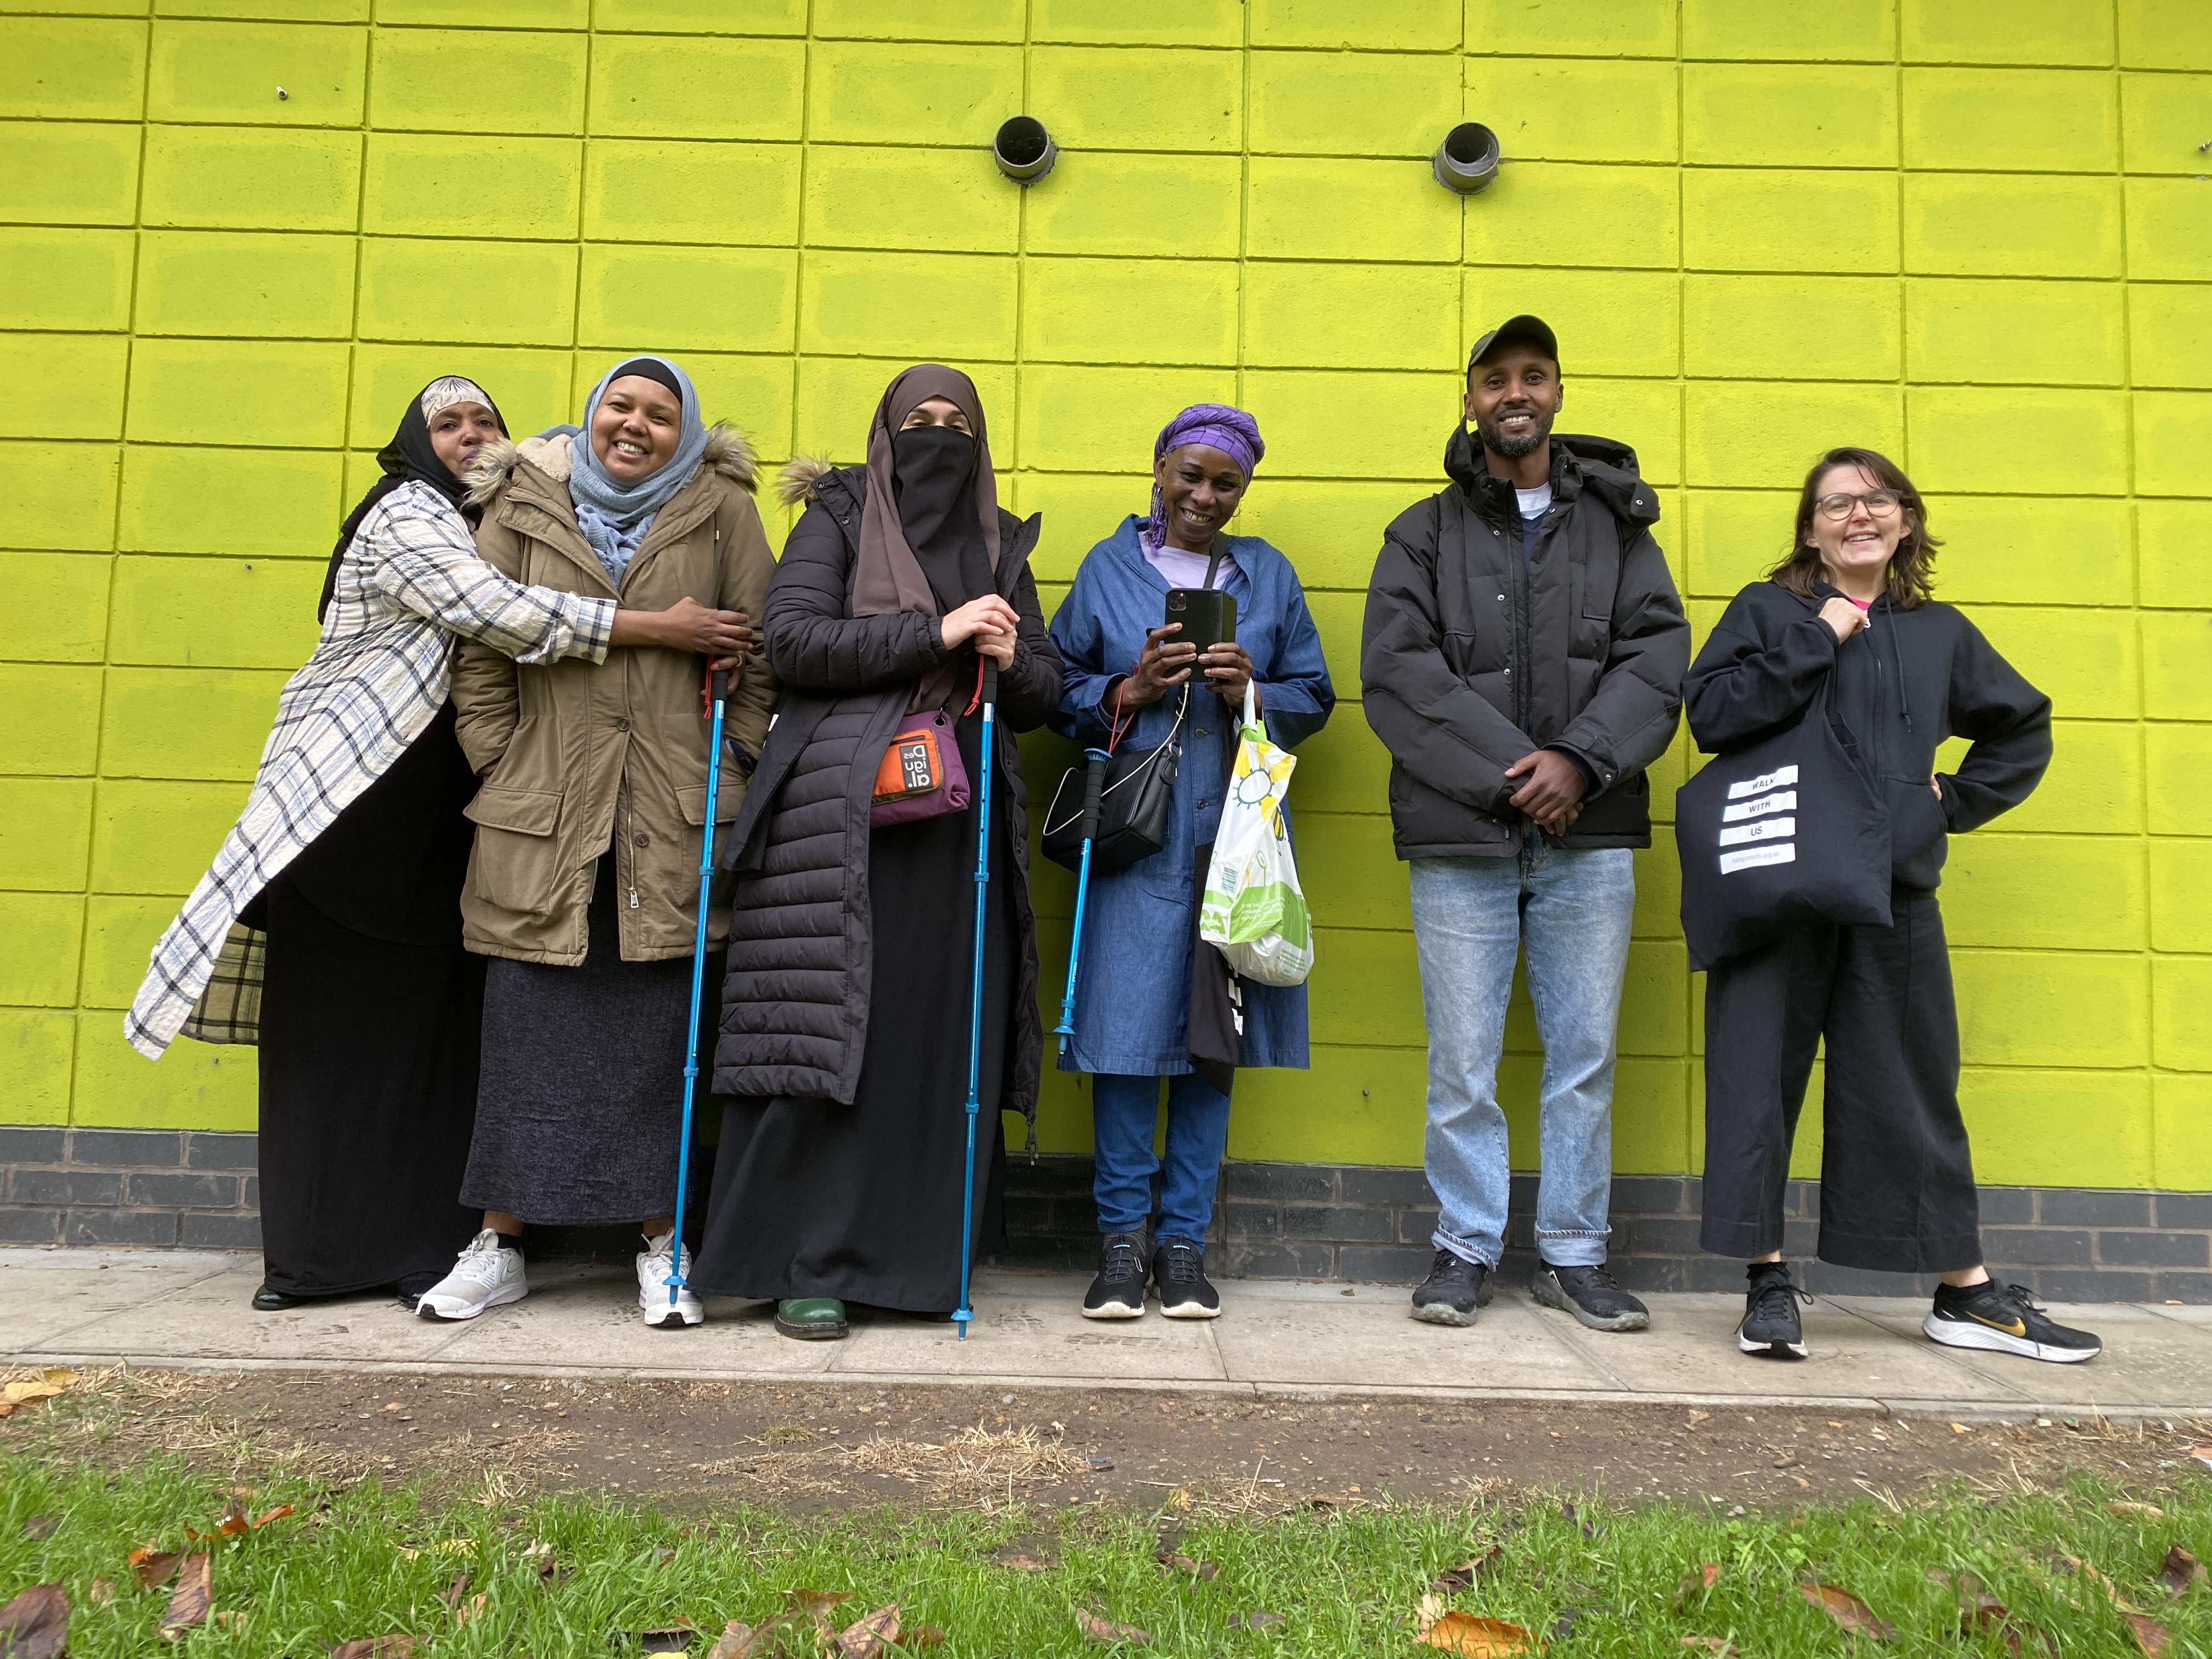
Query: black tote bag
x=1786, y=831
x=1133, y=807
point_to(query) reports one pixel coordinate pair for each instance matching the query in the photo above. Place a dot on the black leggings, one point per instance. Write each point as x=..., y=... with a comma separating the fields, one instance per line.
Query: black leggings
x=1897, y=1177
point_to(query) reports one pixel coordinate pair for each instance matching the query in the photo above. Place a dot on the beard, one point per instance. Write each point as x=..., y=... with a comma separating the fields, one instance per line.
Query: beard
x=1512, y=449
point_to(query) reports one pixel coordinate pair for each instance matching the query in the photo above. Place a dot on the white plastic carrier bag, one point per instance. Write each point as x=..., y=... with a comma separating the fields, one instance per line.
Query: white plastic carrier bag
x=1254, y=910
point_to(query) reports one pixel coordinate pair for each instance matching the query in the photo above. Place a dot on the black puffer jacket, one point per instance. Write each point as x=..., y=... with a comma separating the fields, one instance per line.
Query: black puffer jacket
x=1471, y=658
x=1904, y=683
x=802, y=938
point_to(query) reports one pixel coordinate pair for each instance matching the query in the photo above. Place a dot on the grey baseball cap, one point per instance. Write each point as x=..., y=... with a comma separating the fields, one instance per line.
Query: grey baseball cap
x=1523, y=330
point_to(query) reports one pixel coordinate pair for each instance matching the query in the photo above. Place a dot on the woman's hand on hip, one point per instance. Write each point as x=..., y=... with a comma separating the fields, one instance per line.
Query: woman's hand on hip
x=1165, y=661
x=989, y=622
x=687, y=625
x=1228, y=670
x=1844, y=618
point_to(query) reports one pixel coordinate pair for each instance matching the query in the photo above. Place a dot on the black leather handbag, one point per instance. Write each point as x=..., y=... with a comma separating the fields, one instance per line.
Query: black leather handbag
x=1790, y=831
x=1132, y=805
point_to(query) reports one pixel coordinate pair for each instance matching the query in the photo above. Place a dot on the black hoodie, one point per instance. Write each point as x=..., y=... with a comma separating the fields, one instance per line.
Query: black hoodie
x=1472, y=657
x=1904, y=683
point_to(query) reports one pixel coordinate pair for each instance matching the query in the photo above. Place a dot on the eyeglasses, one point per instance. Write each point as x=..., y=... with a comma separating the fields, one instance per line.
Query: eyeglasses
x=1881, y=503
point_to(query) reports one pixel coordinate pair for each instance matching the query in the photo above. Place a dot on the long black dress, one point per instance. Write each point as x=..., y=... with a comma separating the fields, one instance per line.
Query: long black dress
x=862, y=1202
x=371, y=1014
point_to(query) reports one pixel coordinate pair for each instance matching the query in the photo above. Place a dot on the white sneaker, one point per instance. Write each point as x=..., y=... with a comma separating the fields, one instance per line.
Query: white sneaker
x=487, y=1275
x=654, y=1263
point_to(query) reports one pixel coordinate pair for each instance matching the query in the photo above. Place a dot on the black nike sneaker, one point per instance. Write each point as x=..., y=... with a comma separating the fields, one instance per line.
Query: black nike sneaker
x=1118, y=1292
x=2004, y=1319
x=1770, y=1327
x=1455, y=1288
x=1591, y=1294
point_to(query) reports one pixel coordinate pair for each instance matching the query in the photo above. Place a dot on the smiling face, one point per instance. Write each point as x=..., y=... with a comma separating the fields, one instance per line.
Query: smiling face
x=1856, y=548
x=458, y=431
x=1513, y=396
x=1201, y=487
x=937, y=411
x=636, y=429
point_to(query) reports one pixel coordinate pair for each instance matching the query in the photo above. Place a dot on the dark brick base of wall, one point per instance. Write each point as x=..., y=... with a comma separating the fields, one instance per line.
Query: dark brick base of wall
x=190, y=1188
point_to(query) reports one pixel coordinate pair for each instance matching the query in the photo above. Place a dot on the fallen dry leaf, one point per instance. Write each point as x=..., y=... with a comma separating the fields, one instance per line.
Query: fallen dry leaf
x=813, y=1607
x=2152, y=1639
x=474, y=1606
x=36, y=1622
x=1107, y=1632
x=2181, y=1572
x=394, y=1646
x=17, y=1397
x=451, y=1595
x=868, y=1637
x=1485, y=1638
x=1426, y=1612
x=1257, y=1621
x=1018, y=1563
x=743, y=1641
x=1200, y=1569
x=1452, y=1580
x=193, y=1599
x=921, y=1636
x=101, y=1591
x=41, y=1526
x=1719, y=1645
x=2128, y=1506
x=1694, y=1583
x=1848, y=1611
x=154, y=1566
x=267, y=1516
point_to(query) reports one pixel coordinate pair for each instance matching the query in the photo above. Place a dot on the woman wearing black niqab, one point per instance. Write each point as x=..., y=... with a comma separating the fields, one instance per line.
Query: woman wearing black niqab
x=846, y=1011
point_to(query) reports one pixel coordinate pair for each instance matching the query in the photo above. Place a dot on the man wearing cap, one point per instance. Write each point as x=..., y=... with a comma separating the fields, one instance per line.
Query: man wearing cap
x=1522, y=660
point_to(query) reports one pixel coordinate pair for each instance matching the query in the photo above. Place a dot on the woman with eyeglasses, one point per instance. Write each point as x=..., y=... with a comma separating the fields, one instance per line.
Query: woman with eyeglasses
x=1851, y=600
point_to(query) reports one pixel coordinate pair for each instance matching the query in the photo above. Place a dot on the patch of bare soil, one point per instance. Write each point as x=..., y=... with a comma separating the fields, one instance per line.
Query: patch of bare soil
x=808, y=1447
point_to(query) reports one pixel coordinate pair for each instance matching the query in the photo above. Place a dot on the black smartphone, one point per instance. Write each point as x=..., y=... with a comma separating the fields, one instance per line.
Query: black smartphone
x=1207, y=615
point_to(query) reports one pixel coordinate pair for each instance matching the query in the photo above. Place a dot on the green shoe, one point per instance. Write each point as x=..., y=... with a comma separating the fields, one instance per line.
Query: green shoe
x=811, y=1318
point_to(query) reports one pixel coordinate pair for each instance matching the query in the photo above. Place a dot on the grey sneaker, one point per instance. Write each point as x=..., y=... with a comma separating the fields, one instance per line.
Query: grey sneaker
x=1591, y=1296
x=1455, y=1288
x=1770, y=1327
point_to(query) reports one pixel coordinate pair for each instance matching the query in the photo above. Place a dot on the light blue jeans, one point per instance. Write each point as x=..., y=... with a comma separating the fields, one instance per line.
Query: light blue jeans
x=1471, y=916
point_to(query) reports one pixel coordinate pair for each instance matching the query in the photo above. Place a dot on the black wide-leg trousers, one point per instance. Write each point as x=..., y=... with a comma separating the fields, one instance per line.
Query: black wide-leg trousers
x=1897, y=1178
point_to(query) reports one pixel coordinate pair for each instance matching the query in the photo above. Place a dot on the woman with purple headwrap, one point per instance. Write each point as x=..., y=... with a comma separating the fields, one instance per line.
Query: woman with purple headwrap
x=1155, y=1002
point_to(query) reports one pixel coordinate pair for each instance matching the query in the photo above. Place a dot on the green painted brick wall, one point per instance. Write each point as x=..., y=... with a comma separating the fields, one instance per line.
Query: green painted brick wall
x=1977, y=234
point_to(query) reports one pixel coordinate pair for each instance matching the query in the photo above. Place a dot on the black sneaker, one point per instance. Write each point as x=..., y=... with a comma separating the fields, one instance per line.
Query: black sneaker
x=1770, y=1326
x=1118, y=1292
x=1179, y=1273
x=1455, y=1288
x=2004, y=1319
x=1591, y=1296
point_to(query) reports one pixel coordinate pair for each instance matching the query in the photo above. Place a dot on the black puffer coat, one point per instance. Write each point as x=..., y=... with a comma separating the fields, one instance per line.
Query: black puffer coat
x=802, y=940
x=1471, y=658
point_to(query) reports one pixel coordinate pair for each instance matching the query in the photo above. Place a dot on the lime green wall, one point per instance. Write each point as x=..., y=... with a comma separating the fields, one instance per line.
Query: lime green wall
x=1972, y=232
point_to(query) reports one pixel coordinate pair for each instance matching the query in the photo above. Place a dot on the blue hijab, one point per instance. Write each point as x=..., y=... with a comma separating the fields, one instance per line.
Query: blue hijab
x=614, y=516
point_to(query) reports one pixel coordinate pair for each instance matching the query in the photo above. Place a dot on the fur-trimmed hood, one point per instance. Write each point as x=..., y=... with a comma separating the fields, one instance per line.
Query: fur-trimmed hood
x=727, y=452
x=797, y=482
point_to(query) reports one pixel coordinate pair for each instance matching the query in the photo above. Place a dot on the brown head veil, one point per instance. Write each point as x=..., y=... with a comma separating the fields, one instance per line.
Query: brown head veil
x=887, y=576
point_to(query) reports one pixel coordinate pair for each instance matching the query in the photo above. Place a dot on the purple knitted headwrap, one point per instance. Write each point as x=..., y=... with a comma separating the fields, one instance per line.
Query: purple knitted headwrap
x=1231, y=431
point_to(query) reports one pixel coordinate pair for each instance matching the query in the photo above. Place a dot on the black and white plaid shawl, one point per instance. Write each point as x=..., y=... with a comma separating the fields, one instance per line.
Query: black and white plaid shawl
x=409, y=585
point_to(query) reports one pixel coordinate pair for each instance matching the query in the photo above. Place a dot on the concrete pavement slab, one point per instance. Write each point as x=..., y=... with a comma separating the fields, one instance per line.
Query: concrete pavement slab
x=1691, y=1349
x=2148, y=1359
x=1291, y=1334
x=45, y=1294
x=1032, y=1326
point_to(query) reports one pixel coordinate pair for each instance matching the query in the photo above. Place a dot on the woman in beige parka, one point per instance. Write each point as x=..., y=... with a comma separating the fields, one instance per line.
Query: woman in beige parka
x=585, y=878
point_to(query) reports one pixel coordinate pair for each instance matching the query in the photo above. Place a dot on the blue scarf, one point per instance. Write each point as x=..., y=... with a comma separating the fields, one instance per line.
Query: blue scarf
x=614, y=516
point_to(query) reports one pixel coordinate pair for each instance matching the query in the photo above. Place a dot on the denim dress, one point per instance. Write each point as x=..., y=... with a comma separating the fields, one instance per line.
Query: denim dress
x=1140, y=924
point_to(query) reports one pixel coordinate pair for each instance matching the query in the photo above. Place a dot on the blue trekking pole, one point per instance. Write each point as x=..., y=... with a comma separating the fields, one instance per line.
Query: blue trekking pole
x=719, y=691
x=1094, y=775
x=963, y=1315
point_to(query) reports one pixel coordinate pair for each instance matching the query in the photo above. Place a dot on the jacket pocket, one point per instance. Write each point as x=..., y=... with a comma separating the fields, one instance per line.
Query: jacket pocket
x=517, y=858
x=691, y=802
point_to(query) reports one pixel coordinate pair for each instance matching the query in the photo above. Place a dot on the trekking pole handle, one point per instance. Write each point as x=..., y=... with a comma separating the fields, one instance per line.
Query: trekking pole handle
x=990, y=679
x=1094, y=780
x=718, y=685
